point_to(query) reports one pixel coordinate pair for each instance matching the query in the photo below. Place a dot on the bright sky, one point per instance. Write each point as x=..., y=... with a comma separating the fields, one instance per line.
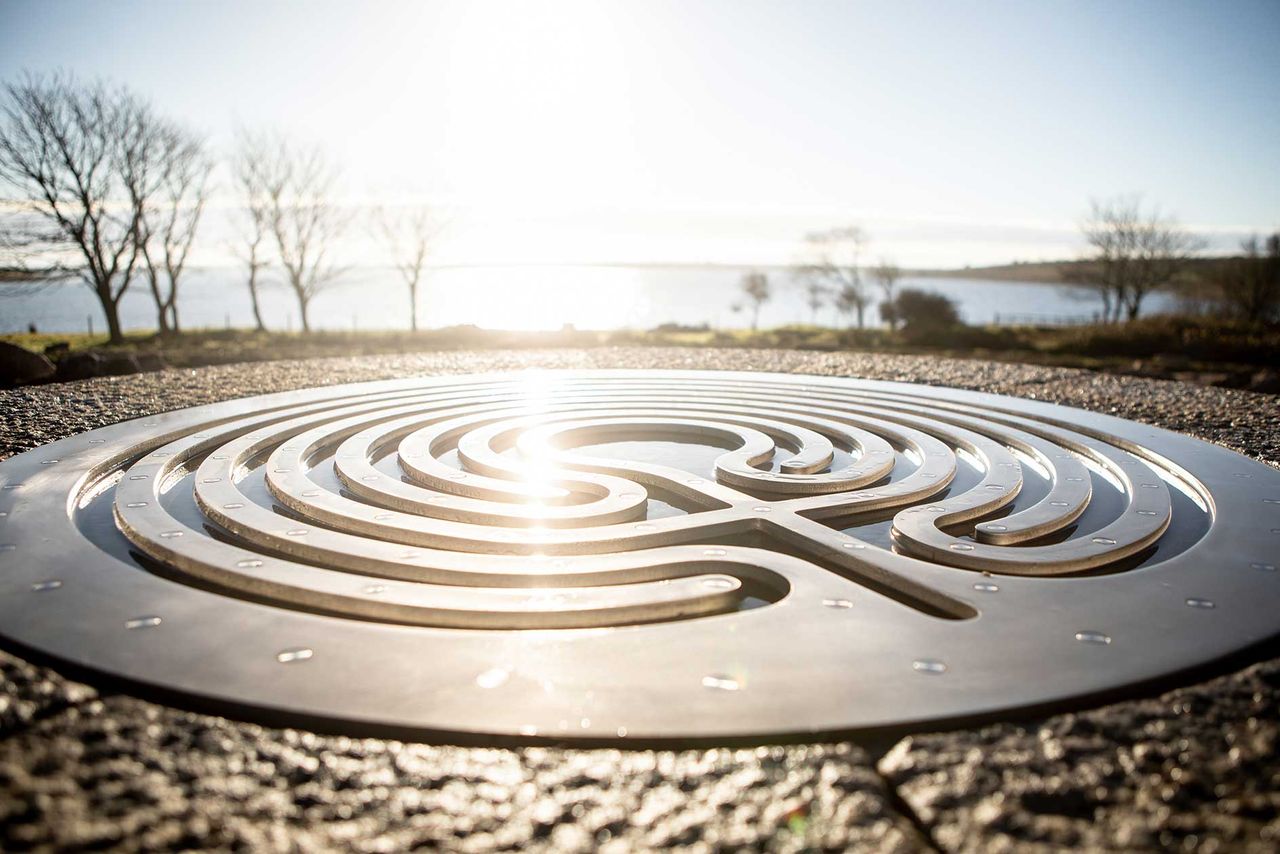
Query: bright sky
x=722, y=131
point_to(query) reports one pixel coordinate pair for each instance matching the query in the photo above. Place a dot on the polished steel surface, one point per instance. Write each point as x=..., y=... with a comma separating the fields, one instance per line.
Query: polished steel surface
x=617, y=554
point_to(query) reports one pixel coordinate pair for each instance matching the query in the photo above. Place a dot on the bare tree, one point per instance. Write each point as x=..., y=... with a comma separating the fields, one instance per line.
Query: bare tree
x=302, y=217
x=851, y=301
x=408, y=233
x=249, y=169
x=62, y=156
x=1133, y=253
x=166, y=173
x=887, y=274
x=755, y=287
x=830, y=263
x=1249, y=286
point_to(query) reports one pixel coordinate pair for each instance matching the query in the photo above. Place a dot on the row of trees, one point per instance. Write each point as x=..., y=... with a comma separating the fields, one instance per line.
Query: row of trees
x=104, y=187
x=1132, y=253
x=830, y=273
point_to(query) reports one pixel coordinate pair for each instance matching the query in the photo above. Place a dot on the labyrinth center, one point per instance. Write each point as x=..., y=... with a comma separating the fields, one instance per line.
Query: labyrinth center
x=611, y=554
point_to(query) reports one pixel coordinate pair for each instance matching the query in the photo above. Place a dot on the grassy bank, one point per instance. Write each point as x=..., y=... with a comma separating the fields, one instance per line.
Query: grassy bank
x=1208, y=351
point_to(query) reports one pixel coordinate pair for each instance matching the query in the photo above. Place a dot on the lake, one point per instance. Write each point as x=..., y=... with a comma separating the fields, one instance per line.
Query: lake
x=533, y=297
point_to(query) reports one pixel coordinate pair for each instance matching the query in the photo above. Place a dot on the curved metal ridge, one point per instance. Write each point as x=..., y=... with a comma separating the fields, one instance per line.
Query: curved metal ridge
x=619, y=554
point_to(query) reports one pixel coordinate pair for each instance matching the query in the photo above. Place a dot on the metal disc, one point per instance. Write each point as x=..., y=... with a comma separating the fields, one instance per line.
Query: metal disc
x=623, y=554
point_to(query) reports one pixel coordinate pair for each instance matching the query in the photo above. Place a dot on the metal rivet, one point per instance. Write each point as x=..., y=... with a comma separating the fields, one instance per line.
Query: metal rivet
x=291, y=655
x=717, y=682
x=1093, y=637
x=51, y=584
x=1200, y=603
x=249, y=563
x=714, y=552
x=493, y=677
x=928, y=665
x=984, y=587
x=837, y=603
x=142, y=623
x=1104, y=541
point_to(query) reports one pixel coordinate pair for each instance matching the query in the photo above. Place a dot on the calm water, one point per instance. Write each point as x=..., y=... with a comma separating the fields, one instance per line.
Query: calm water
x=517, y=298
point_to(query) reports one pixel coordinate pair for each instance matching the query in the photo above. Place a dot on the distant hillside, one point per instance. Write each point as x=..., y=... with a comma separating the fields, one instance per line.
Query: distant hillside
x=1046, y=272
x=1050, y=272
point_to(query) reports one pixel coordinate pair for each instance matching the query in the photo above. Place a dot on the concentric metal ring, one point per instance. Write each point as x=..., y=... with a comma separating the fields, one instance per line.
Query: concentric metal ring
x=655, y=555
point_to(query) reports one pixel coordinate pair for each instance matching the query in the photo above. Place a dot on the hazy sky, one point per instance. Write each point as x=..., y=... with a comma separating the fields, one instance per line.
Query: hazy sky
x=722, y=131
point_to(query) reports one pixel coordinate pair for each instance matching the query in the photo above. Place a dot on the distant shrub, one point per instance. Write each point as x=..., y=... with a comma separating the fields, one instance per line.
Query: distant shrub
x=922, y=313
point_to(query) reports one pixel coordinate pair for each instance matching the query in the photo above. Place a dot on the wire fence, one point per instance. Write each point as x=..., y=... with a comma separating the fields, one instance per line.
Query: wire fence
x=1023, y=319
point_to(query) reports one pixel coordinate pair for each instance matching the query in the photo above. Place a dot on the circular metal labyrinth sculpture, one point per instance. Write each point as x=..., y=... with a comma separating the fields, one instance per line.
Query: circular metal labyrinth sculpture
x=635, y=554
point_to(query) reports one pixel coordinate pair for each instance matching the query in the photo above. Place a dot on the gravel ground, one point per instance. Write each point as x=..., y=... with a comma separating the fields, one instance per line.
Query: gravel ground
x=1195, y=768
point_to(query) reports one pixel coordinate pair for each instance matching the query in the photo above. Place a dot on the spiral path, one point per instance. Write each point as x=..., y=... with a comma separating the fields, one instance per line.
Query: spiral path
x=663, y=555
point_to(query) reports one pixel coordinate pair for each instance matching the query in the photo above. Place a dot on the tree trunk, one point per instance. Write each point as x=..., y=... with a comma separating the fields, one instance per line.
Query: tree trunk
x=112, y=311
x=162, y=307
x=755, y=317
x=303, y=304
x=253, y=297
x=413, y=307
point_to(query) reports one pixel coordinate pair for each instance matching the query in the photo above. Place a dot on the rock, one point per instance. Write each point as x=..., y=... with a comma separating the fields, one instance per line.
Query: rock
x=19, y=366
x=57, y=349
x=115, y=364
x=151, y=361
x=80, y=366
x=1266, y=380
